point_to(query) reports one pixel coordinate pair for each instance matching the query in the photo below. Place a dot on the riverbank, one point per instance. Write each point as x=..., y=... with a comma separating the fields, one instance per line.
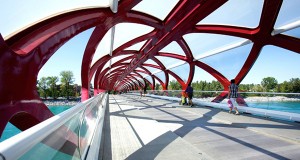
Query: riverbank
x=61, y=102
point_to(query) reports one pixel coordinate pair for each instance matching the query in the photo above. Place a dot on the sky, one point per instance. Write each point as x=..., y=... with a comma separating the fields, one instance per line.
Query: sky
x=273, y=61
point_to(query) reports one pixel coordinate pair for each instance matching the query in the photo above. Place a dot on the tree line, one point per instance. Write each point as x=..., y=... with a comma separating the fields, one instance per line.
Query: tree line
x=268, y=84
x=48, y=87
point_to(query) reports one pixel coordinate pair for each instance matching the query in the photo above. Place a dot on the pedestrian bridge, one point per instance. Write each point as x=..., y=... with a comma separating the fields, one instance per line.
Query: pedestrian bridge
x=128, y=126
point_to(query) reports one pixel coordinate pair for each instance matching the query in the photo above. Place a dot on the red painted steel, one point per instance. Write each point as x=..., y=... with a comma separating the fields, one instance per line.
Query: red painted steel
x=25, y=53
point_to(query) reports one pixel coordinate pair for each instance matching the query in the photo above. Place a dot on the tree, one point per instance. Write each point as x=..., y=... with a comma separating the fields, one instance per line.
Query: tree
x=77, y=90
x=269, y=83
x=51, y=82
x=158, y=87
x=174, y=85
x=295, y=85
x=43, y=86
x=67, y=79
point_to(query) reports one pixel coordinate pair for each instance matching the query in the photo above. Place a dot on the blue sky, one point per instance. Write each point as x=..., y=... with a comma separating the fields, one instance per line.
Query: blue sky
x=273, y=61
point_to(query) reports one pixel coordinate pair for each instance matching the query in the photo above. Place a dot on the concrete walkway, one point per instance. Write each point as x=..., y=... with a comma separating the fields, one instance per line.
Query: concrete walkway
x=150, y=128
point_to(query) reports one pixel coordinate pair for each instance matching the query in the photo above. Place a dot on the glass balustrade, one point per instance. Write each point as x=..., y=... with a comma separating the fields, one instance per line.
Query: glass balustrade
x=65, y=136
x=285, y=102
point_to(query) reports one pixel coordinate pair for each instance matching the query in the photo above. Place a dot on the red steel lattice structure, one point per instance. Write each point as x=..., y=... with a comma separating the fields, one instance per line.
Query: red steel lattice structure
x=24, y=54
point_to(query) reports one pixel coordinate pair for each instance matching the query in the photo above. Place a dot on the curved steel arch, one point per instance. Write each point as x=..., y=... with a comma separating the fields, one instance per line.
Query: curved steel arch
x=25, y=53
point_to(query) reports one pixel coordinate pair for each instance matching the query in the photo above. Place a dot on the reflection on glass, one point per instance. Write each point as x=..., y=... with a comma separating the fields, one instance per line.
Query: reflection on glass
x=245, y=13
x=72, y=139
x=61, y=144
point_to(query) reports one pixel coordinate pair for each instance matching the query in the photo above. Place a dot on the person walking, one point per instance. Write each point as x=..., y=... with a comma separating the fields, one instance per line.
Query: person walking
x=145, y=89
x=232, y=95
x=141, y=92
x=189, y=91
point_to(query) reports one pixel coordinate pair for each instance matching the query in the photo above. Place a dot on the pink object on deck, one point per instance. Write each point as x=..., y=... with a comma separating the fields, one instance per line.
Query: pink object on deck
x=230, y=105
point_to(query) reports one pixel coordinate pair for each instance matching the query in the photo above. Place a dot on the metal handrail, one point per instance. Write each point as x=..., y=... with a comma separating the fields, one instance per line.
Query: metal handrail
x=276, y=93
x=18, y=145
x=84, y=154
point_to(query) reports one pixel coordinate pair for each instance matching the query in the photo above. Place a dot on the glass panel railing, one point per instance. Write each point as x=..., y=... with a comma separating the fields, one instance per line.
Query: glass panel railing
x=65, y=136
x=285, y=102
x=283, y=106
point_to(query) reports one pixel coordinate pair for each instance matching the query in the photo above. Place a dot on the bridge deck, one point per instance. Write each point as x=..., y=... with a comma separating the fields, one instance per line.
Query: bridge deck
x=149, y=128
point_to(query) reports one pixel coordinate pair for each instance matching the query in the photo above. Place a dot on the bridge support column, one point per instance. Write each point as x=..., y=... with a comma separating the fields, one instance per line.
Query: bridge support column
x=19, y=100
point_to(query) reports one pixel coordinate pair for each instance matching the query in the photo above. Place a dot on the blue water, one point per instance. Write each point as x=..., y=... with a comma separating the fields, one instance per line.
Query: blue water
x=10, y=130
x=292, y=107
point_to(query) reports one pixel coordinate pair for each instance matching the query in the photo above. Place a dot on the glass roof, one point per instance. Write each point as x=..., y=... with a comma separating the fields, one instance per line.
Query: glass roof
x=136, y=46
x=174, y=48
x=201, y=42
x=293, y=33
x=17, y=14
x=202, y=75
x=245, y=13
x=168, y=61
x=281, y=66
x=149, y=79
x=182, y=71
x=179, y=34
x=230, y=62
x=157, y=8
x=161, y=76
x=121, y=38
x=289, y=12
x=102, y=48
x=114, y=60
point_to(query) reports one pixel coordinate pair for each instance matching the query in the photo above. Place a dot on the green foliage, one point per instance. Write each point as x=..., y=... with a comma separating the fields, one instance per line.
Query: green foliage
x=47, y=86
x=67, y=79
x=269, y=83
x=148, y=86
x=174, y=85
x=51, y=82
x=293, y=86
x=43, y=87
x=206, y=86
x=158, y=87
